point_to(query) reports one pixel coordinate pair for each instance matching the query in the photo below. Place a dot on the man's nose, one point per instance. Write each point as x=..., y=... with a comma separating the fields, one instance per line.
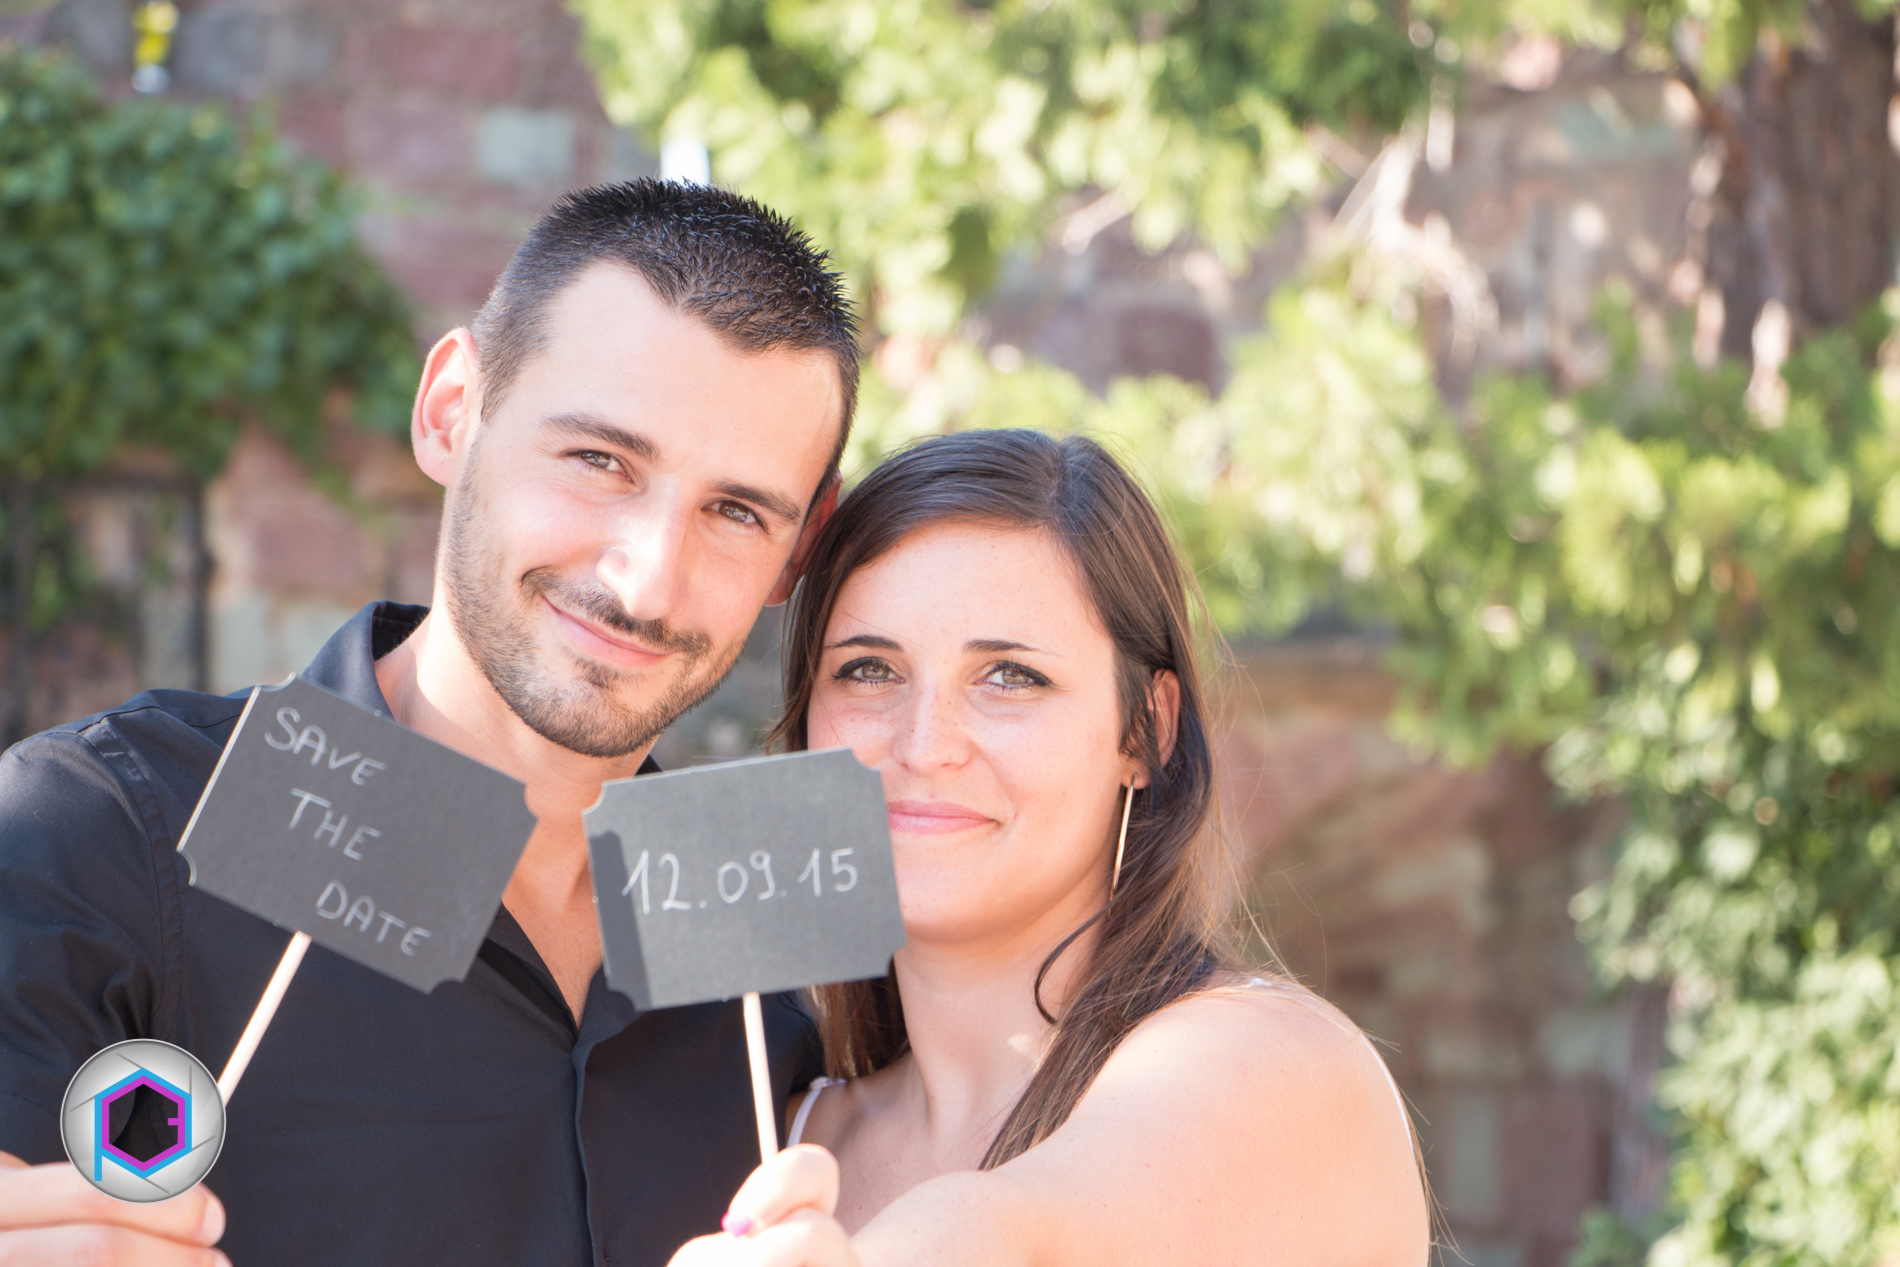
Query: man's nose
x=646, y=564
x=933, y=732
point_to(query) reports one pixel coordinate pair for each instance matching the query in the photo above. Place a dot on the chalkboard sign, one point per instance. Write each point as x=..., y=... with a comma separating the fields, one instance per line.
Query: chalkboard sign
x=756, y=875
x=379, y=843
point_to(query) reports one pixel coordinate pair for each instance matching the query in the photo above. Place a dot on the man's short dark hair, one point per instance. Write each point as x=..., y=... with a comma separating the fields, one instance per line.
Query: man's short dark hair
x=713, y=255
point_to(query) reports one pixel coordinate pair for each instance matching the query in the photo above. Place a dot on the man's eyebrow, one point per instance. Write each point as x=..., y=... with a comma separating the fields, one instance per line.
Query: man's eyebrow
x=874, y=641
x=992, y=646
x=590, y=427
x=598, y=429
x=773, y=504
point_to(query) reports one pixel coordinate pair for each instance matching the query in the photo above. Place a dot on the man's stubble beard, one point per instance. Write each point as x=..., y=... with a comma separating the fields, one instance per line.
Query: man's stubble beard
x=582, y=716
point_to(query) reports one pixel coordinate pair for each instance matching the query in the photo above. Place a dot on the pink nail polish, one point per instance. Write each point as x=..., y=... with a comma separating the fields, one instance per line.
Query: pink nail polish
x=734, y=1225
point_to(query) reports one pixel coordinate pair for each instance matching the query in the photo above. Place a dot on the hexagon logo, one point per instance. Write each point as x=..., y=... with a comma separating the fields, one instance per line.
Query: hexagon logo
x=143, y=1120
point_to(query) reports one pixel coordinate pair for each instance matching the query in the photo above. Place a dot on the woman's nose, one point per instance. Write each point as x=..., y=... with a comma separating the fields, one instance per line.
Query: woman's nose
x=933, y=731
x=646, y=564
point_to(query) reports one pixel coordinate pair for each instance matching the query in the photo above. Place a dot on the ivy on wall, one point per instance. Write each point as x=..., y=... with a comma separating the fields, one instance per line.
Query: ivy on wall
x=166, y=274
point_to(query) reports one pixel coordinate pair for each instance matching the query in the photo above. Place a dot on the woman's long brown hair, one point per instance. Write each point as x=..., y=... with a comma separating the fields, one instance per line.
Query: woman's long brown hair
x=1158, y=938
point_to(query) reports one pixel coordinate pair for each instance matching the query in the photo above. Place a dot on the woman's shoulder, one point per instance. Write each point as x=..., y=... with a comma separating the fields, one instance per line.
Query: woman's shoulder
x=1259, y=1069
x=1246, y=1115
x=1257, y=1047
x=1256, y=1023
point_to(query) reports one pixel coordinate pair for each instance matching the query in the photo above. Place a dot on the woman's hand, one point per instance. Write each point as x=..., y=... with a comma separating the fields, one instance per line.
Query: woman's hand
x=781, y=1217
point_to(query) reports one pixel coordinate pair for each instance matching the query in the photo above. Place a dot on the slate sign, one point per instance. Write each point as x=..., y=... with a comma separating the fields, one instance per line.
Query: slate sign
x=768, y=874
x=383, y=845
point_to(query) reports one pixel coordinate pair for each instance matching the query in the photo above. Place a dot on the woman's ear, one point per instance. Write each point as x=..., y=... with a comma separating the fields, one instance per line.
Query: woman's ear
x=1164, y=704
x=1164, y=699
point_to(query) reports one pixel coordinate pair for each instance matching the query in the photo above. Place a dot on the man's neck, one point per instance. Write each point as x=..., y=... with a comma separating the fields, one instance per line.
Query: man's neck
x=433, y=687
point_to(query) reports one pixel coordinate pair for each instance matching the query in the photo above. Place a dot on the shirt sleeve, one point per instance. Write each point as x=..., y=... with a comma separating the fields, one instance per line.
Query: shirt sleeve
x=81, y=940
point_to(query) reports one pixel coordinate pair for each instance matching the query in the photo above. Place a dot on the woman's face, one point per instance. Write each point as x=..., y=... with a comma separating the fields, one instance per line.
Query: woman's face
x=968, y=667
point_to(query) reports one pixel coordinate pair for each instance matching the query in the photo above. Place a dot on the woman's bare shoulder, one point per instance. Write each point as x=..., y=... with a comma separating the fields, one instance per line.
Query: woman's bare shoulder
x=1264, y=1101
x=1260, y=1024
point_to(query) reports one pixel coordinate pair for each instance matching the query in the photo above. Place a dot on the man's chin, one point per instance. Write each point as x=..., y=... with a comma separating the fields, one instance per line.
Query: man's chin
x=617, y=717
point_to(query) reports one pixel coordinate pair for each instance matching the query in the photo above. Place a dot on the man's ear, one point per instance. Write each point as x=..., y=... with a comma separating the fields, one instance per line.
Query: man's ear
x=821, y=512
x=1164, y=702
x=448, y=407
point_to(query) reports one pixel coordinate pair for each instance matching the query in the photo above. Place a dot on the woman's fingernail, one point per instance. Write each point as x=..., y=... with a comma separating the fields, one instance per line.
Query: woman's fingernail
x=736, y=1225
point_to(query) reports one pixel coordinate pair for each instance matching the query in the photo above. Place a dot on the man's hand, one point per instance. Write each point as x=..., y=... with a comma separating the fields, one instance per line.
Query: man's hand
x=781, y=1217
x=50, y=1215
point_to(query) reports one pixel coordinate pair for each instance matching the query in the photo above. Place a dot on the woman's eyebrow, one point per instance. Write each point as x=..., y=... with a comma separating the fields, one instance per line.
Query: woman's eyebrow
x=866, y=640
x=991, y=646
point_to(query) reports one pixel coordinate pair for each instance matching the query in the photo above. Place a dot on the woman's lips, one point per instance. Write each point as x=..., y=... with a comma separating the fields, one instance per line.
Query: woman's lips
x=932, y=818
x=593, y=641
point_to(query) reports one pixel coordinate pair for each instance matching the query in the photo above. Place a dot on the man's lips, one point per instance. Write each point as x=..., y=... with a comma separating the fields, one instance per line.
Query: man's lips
x=933, y=818
x=596, y=643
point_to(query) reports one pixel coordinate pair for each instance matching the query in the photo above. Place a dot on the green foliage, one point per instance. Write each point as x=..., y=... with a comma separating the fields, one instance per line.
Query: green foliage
x=164, y=274
x=924, y=139
x=1736, y=585
x=1605, y=1240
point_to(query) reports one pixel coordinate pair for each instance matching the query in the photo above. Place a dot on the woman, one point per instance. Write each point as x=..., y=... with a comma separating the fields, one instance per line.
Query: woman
x=1062, y=1066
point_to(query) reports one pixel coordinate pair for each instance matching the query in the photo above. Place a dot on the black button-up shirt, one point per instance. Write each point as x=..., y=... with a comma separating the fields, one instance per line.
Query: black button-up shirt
x=475, y=1124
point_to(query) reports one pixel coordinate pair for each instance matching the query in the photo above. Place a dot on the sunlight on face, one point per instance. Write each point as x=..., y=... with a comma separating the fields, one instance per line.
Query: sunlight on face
x=630, y=506
x=968, y=667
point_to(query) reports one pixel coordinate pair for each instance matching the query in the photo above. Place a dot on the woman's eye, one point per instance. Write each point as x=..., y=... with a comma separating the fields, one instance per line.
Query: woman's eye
x=1014, y=677
x=865, y=669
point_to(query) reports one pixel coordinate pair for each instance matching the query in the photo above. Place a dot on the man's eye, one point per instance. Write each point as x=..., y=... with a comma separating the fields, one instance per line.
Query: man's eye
x=737, y=513
x=1014, y=677
x=865, y=669
x=599, y=461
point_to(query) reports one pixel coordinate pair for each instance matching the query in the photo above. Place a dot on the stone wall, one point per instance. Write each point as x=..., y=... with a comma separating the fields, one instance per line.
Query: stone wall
x=1431, y=904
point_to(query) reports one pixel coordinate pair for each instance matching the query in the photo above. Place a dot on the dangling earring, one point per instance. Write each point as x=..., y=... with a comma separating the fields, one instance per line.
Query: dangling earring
x=1121, y=844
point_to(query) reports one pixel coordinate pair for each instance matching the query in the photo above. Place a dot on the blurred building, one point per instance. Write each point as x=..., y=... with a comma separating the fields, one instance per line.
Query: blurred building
x=1430, y=903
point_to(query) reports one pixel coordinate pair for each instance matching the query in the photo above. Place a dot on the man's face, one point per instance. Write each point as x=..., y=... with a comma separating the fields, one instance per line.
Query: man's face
x=623, y=514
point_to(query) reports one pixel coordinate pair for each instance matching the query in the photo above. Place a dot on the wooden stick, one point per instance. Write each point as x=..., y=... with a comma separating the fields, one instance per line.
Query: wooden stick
x=761, y=1076
x=261, y=1018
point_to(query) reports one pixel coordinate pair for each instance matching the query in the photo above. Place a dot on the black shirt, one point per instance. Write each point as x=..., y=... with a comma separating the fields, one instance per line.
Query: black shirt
x=474, y=1124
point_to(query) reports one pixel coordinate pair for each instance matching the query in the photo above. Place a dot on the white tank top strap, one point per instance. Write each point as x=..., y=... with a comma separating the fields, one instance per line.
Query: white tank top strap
x=804, y=1109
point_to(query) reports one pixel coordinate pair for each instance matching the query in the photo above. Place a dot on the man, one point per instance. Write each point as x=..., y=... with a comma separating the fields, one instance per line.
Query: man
x=639, y=439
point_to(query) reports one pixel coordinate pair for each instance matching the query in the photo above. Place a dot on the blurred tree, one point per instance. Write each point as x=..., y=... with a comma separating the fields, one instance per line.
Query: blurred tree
x=164, y=276
x=922, y=139
x=1681, y=582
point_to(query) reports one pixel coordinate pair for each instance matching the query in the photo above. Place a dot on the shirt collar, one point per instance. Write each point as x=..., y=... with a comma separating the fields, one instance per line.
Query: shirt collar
x=347, y=664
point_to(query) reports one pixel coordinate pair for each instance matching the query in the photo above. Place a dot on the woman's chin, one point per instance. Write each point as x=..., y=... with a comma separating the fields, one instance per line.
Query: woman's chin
x=951, y=918
x=947, y=920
